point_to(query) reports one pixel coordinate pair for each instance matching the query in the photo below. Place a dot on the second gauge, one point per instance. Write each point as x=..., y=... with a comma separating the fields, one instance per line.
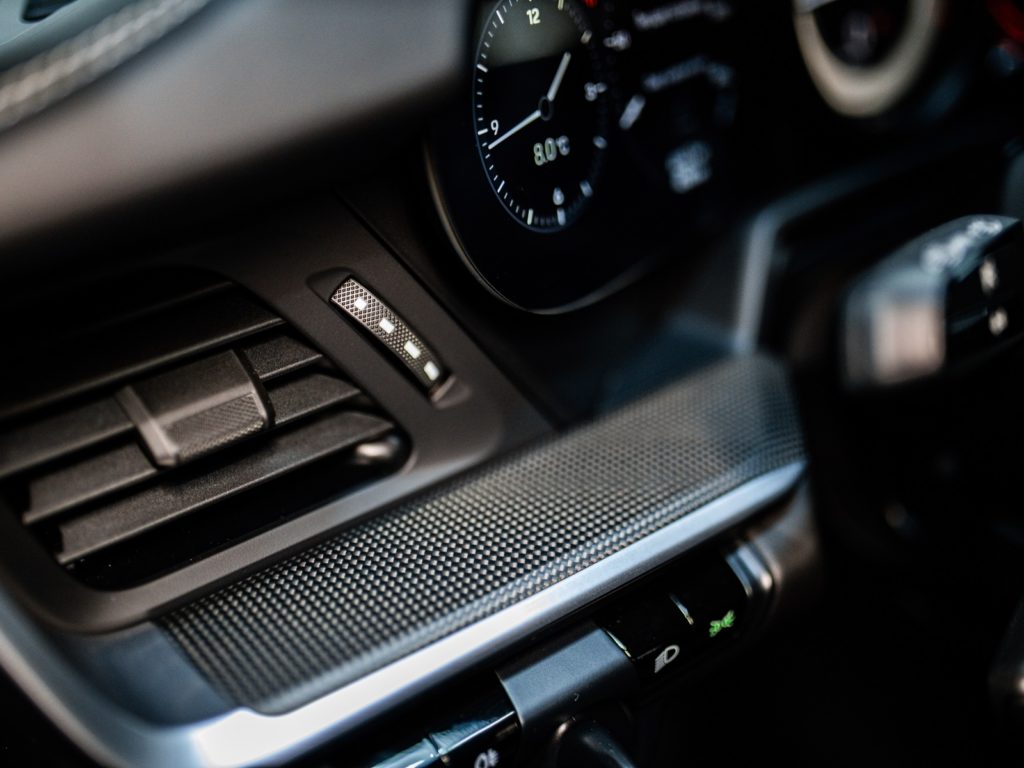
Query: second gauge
x=539, y=109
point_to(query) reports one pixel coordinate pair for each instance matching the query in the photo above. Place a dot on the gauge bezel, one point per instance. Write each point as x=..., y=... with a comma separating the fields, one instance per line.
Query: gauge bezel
x=867, y=92
x=628, y=226
x=549, y=272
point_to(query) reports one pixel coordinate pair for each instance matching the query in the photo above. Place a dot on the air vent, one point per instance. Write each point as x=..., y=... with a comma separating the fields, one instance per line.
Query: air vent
x=166, y=433
x=37, y=10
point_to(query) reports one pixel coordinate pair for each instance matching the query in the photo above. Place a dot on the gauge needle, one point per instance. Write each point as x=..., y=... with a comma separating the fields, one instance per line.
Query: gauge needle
x=535, y=115
x=562, y=66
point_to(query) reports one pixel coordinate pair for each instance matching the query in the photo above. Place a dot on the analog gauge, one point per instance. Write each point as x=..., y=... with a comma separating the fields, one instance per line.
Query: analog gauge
x=539, y=110
x=866, y=55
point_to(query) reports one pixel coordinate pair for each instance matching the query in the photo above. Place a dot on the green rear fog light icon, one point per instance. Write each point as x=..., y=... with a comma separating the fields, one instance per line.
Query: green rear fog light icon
x=726, y=622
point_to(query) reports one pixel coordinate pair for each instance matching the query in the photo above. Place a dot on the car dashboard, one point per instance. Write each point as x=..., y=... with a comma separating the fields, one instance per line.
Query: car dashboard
x=494, y=383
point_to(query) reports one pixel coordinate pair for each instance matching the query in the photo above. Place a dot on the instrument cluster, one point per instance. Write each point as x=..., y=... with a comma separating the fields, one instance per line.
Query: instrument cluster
x=595, y=137
x=587, y=123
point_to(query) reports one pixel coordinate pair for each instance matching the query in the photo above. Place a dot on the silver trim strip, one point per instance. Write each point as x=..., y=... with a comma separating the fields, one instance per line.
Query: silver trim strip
x=67, y=67
x=245, y=737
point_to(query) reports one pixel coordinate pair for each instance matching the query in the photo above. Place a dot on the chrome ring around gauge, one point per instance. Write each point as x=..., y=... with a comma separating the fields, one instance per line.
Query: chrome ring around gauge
x=864, y=56
x=545, y=197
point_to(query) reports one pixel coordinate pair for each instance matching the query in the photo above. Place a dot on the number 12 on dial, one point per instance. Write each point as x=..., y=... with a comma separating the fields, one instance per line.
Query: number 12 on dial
x=539, y=110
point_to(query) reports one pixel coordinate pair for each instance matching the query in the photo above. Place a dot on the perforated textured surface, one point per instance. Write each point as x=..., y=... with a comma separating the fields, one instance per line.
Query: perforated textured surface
x=435, y=564
x=382, y=321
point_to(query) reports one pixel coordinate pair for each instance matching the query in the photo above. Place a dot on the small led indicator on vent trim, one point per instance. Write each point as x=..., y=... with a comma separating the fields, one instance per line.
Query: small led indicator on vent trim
x=392, y=331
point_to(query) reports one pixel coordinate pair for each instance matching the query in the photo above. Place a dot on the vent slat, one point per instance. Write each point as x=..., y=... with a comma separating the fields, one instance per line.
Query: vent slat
x=162, y=503
x=122, y=379
x=84, y=481
x=66, y=433
x=278, y=356
x=148, y=342
x=308, y=395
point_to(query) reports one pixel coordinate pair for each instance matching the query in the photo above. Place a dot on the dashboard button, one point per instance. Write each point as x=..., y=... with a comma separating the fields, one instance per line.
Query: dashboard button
x=385, y=325
x=943, y=301
x=714, y=597
x=421, y=755
x=654, y=632
x=483, y=734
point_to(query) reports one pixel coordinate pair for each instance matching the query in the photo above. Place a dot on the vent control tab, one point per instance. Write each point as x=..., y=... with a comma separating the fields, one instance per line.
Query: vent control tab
x=196, y=409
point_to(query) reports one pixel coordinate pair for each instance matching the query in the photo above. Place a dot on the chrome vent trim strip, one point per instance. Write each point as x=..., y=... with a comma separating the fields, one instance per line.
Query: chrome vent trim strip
x=244, y=737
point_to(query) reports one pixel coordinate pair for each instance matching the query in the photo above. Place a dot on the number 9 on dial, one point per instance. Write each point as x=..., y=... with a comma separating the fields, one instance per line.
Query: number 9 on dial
x=539, y=110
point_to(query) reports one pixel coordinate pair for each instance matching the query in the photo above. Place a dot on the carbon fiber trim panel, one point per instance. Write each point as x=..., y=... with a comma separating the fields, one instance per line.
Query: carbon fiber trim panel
x=499, y=535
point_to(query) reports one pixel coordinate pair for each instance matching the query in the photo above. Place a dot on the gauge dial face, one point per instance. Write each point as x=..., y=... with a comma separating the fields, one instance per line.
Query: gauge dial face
x=539, y=110
x=862, y=33
x=677, y=88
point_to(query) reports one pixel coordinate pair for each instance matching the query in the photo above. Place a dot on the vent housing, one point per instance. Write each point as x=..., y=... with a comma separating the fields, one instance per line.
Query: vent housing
x=156, y=433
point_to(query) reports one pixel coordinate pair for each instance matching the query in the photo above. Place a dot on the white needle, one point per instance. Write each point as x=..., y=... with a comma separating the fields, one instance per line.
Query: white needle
x=535, y=115
x=562, y=66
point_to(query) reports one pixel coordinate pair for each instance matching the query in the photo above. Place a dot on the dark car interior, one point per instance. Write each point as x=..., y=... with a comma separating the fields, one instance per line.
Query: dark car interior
x=488, y=383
